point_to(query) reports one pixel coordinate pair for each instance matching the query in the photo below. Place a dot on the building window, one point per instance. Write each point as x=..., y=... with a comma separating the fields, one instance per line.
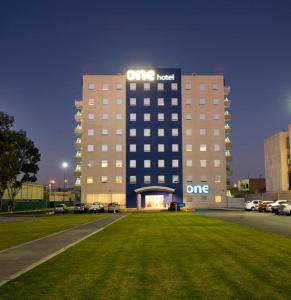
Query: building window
x=202, y=101
x=188, y=101
x=90, y=180
x=174, y=101
x=132, y=86
x=90, y=163
x=105, y=101
x=175, y=148
x=161, y=179
x=90, y=132
x=119, y=86
x=175, y=131
x=118, y=116
x=104, y=148
x=132, y=132
x=132, y=117
x=132, y=179
x=215, y=87
x=104, y=163
x=132, y=101
x=104, y=131
x=90, y=148
x=216, y=147
x=161, y=117
x=118, y=148
x=188, y=163
x=188, y=131
x=174, y=117
x=146, y=101
x=161, y=131
x=146, y=117
x=175, y=179
x=188, y=117
x=175, y=163
x=91, y=86
x=105, y=87
x=147, y=132
x=147, y=163
x=147, y=179
x=91, y=101
x=216, y=132
x=118, y=164
x=118, y=179
x=202, y=131
x=215, y=101
x=202, y=116
x=188, y=86
x=160, y=86
x=118, y=131
x=203, y=163
x=203, y=178
x=189, y=178
x=147, y=86
x=161, y=102
x=104, y=117
x=147, y=147
x=202, y=147
x=215, y=116
x=118, y=101
x=174, y=86
x=216, y=163
x=161, y=163
x=218, y=199
x=217, y=179
x=132, y=163
x=132, y=147
x=104, y=179
x=188, y=147
x=90, y=116
x=201, y=87
x=161, y=148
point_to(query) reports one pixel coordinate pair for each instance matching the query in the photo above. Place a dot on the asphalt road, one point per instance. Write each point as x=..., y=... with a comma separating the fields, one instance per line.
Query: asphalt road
x=264, y=221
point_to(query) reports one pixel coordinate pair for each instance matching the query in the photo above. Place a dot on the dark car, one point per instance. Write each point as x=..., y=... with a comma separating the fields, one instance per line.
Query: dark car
x=174, y=206
x=80, y=208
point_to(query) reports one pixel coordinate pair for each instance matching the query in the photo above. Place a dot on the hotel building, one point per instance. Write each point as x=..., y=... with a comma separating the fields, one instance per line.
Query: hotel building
x=152, y=136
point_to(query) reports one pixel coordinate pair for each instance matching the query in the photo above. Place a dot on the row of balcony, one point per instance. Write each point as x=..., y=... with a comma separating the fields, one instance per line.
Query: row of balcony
x=78, y=104
x=227, y=103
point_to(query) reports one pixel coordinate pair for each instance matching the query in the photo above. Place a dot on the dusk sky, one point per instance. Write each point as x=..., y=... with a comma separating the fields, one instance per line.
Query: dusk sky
x=46, y=46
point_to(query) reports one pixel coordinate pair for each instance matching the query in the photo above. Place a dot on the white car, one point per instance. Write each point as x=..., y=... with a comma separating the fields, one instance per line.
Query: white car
x=276, y=203
x=252, y=205
x=287, y=210
x=61, y=208
x=96, y=207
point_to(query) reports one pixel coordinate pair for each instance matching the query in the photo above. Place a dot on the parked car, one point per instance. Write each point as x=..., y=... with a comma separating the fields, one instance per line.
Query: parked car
x=263, y=205
x=80, y=208
x=275, y=203
x=96, y=207
x=61, y=208
x=287, y=209
x=252, y=205
x=279, y=209
x=113, y=207
x=173, y=206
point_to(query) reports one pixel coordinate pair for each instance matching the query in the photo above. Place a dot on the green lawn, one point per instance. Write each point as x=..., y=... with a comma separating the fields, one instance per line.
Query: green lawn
x=20, y=232
x=164, y=256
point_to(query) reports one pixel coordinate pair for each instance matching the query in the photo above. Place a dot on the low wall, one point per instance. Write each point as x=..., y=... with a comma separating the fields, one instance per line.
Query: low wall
x=269, y=196
x=235, y=202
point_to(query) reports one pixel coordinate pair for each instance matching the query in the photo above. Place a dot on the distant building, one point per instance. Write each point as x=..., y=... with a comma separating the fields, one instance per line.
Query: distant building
x=251, y=185
x=277, y=161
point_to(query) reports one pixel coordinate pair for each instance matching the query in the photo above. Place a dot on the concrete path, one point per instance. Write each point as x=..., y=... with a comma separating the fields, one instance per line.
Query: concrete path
x=22, y=258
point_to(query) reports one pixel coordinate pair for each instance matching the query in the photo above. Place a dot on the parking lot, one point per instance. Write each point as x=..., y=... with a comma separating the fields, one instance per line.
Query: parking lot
x=264, y=221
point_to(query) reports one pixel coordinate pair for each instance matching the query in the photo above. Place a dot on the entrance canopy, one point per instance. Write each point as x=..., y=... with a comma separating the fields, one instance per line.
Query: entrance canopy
x=154, y=188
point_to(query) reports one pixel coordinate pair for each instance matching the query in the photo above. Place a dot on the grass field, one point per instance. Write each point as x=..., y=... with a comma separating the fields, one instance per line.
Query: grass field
x=164, y=256
x=12, y=234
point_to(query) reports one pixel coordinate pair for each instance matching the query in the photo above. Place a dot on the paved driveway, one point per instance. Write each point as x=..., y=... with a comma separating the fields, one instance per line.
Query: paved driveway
x=263, y=221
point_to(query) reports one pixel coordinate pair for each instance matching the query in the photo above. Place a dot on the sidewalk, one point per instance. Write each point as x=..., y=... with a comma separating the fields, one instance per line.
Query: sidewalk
x=20, y=259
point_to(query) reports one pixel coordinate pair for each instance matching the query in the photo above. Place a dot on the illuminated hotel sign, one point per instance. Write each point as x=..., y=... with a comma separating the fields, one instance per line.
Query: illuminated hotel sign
x=198, y=189
x=147, y=75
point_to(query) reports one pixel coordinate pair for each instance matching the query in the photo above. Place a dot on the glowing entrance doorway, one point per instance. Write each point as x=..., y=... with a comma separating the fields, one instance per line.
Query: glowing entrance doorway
x=154, y=202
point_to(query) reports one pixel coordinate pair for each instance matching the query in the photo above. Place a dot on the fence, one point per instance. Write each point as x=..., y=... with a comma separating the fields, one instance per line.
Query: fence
x=25, y=204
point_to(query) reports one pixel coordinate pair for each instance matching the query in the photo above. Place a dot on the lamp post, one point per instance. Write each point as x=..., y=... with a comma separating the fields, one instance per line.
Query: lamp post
x=51, y=184
x=64, y=166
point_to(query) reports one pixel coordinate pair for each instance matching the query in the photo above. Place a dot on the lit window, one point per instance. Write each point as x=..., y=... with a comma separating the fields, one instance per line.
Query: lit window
x=104, y=163
x=161, y=117
x=175, y=147
x=188, y=101
x=146, y=132
x=161, y=102
x=216, y=132
x=201, y=87
x=175, y=132
x=218, y=199
x=146, y=101
x=203, y=163
x=118, y=131
x=90, y=180
x=203, y=178
x=132, y=132
x=217, y=179
x=147, y=86
x=174, y=101
x=118, y=148
x=160, y=86
x=132, y=86
x=174, y=86
x=188, y=163
x=161, y=179
x=147, y=147
x=105, y=101
x=216, y=163
x=215, y=116
x=132, y=147
x=118, y=179
x=91, y=101
x=188, y=117
x=91, y=86
x=202, y=101
x=175, y=179
x=147, y=117
x=188, y=147
x=161, y=131
x=132, y=163
x=119, y=86
x=104, y=117
x=215, y=101
x=161, y=148
x=175, y=117
x=90, y=163
x=105, y=87
x=202, y=131
x=202, y=116
x=188, y=86
x=203, y=147
x=104, y=179
x=132, y=101
x=215, y=87
x=118, y=116
x=118, y=101
x=132, y=117
x=188, y=131
x=161, y=163
x=90, y=148
x=175, y=163
x=147, y=179
x=90, y=132
x=216, y=147
x=104, y=131
x=132, y=179
x=147, y=163
x=118, y=164
x=90, y=116
x=189, y=178
x=104, y=148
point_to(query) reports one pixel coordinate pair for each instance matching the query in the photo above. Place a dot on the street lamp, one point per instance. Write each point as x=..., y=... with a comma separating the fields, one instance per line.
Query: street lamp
x=51, y=185
x=64, y=166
